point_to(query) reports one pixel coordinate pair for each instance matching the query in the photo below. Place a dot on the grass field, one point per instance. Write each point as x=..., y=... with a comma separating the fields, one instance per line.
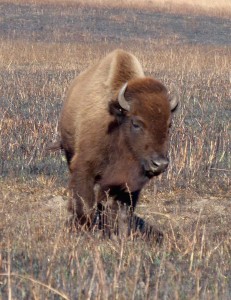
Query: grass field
x=42, y=48
x=215, y=7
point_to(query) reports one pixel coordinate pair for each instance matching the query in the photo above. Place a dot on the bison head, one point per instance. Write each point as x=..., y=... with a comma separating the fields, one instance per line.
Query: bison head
x=143, y=115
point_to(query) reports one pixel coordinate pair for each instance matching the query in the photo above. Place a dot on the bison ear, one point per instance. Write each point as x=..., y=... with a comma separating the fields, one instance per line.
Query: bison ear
x=117, y=111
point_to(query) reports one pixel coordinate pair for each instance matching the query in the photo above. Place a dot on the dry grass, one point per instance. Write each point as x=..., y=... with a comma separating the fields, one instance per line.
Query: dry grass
x=221, y=8
x=218, y=8
x=39, y=259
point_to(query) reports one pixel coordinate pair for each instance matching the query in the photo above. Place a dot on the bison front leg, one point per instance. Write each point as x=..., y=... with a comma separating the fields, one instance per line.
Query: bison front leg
x=82, y=203
x=114, y=219
x=115, y=212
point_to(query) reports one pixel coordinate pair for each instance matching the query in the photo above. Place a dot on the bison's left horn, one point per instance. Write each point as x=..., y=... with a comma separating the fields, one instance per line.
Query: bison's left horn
x=122, y=101
x=174, y=99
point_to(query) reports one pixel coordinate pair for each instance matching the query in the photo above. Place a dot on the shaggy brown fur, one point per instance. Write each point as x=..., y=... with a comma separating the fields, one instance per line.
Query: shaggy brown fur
x=108, y=148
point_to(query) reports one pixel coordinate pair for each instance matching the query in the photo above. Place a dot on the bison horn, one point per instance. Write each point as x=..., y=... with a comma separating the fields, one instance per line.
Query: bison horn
x=174, y=99
x=173, y=103
x=122, y=101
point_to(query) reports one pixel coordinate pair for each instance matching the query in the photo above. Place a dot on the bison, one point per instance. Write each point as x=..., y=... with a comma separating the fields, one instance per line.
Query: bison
x=114, y=130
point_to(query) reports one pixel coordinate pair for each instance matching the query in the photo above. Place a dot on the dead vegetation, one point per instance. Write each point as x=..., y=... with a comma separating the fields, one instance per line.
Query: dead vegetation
x=221, y=8
x=39, y=259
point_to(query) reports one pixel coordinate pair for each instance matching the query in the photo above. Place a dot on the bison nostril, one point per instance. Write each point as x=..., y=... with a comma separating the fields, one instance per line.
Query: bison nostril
x=156, y=163
x=160, y=164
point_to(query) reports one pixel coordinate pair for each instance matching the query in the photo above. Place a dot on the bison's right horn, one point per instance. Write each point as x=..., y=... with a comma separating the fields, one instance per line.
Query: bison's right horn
x=173, y=103
x=122, y=101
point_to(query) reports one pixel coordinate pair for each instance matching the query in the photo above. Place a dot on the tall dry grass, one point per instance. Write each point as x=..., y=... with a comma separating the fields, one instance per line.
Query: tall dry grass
x=215, y=7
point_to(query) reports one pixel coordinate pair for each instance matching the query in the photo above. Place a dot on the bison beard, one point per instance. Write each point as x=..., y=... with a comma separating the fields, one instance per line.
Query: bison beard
x=114, y=131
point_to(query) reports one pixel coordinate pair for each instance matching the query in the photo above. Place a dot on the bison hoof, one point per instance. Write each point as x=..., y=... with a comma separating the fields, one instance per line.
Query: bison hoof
x=147, y=231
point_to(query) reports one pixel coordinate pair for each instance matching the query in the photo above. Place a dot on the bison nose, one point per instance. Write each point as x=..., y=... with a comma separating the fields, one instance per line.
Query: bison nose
x=159, y=165
x=156, y=166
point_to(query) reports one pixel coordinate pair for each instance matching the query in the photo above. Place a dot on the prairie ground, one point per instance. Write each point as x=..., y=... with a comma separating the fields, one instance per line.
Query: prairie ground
x=43, y=46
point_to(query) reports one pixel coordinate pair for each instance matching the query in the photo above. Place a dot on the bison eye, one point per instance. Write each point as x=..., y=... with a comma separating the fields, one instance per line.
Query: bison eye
x=136, y=125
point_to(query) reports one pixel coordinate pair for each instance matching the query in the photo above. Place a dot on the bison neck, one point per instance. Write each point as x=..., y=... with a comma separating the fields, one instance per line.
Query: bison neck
x=121, y=168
